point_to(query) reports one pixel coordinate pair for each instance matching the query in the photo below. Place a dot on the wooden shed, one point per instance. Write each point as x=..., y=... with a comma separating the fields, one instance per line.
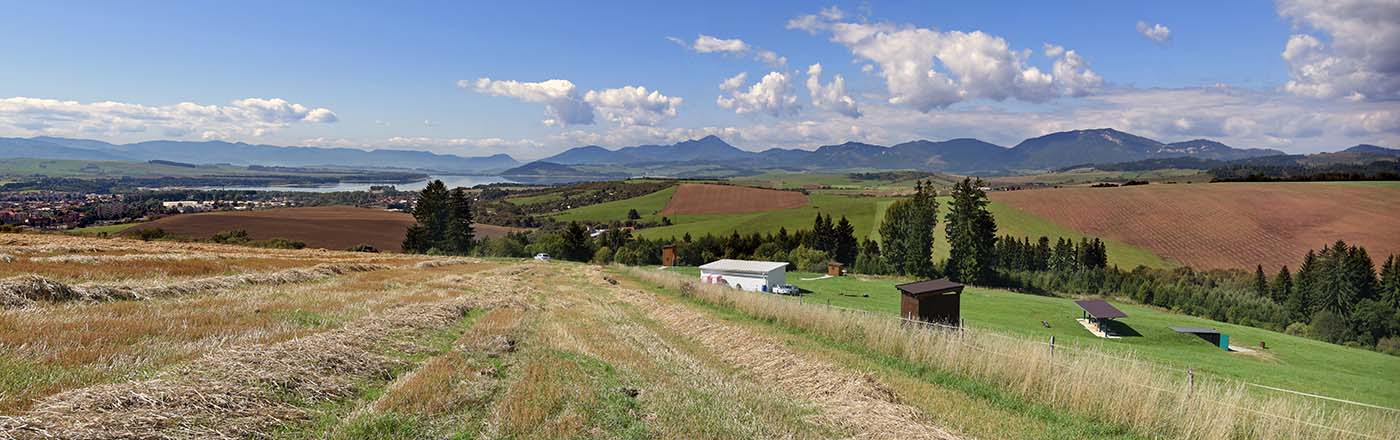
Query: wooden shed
x=932, y=301
x=668, y=255
x=834, y=268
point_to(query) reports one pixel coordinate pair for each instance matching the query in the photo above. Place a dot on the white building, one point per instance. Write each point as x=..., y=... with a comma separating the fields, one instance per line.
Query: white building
x=756, y=276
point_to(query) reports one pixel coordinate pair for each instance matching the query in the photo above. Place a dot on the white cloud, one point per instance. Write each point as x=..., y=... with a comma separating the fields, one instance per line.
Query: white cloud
x=710, y=44
x=631, y=105
x=1157, y=32
x=927, y=69
x=771, y=95
x=831, y=96
x=1053, y=50
x=565, y=105
x=1362, y=59
x=240, y=118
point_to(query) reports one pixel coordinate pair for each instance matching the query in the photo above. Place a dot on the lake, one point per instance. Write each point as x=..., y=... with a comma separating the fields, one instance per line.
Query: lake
x=451, y=181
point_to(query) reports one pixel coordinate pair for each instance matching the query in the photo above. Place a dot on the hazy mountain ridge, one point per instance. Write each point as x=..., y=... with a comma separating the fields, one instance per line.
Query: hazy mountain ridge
x=213, y=152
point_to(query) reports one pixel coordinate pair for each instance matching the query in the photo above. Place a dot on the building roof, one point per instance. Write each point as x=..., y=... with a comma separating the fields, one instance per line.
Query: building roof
x=1100, y=309
x=931, y=286
x=1198, y=330
x=743, y=266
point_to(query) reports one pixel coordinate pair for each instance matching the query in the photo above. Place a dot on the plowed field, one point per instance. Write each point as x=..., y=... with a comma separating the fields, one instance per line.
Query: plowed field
x=728, y=199
x=1227, y=225
x=329, y=227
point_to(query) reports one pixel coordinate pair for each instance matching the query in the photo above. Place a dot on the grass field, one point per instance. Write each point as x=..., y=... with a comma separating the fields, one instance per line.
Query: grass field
x=1226, y=225
x=1289, y=362
x=109, y=229
x=865, y=213
x=232, y=342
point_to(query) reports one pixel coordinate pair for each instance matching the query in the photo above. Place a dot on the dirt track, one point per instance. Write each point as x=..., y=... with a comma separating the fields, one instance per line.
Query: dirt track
x=1226, y=225
x=328, y=227
x=693, y=198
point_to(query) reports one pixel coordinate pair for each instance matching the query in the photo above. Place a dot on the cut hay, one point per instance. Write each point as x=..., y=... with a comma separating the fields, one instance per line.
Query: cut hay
x=99, y=259
x=429, y=264
x=241, y=393
x=29, y=290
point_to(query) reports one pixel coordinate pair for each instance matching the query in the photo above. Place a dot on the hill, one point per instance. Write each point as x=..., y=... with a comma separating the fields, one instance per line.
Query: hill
x=1225, y=225
x=228, y=342
x=219, y=152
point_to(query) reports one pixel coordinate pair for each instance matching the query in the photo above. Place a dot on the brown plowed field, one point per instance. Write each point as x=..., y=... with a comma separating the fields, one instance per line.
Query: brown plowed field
x=1227, y=225
x=696, y=198
x=329, y=227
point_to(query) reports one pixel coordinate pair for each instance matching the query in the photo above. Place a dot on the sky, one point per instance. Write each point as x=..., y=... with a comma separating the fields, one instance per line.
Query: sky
x=532, y=79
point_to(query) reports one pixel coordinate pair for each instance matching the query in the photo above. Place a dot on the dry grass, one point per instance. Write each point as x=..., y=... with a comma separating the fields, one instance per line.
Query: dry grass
x=233, y=393
x=31, y=290
x=1133, y=394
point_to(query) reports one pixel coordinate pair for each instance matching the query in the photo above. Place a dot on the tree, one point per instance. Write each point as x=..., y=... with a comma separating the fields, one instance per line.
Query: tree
x=1390, y=282
x=1261, y=283
x=1283, y=286
x=846, y=244
x=907, y=231
x=971, y=231
x=575, y=243
x=633, y=215
x=443, y=221
x=809, y=260
x=1300, y=306
x=458, y=236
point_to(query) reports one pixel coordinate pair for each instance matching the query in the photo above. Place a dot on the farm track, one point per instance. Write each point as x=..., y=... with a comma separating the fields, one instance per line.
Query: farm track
x=1225, y=226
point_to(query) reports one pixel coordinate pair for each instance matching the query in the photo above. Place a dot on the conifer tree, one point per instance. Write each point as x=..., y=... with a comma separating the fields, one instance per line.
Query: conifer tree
x=846, y=244
x=971, y=232
x=907, y=231
x=1261, y=283
x=1282, y=287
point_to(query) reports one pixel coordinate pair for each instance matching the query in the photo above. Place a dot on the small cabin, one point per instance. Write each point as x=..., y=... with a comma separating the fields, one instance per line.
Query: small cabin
x=754, y=276
x=668, y=255
x=834, y=268
x=931, y=301
x=1215, y=337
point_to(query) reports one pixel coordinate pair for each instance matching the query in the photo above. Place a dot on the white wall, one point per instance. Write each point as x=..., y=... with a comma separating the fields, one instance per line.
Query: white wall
x=750, y=282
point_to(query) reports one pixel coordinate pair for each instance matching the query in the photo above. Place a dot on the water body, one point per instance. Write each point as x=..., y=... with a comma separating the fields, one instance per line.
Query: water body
x=451, y=181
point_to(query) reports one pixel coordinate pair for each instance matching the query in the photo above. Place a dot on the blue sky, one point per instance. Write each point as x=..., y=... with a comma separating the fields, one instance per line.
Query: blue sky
x=1298, y=75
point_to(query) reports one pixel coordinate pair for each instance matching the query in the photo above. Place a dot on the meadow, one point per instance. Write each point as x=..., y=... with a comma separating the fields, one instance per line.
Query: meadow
x=1289, y=362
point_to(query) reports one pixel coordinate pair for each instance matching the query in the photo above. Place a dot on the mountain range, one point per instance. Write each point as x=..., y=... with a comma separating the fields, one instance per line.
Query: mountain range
x=692, y=158
x=214, y=152
x=1104, y=145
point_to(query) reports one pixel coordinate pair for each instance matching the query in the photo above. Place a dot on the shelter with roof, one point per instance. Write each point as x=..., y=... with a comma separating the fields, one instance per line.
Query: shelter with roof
x=1097, y=314
x=932, y=301
x=1209, y=334
x=754, y=276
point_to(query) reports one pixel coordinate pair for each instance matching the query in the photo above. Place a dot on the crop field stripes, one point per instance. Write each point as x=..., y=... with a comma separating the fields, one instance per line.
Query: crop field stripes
x=32, y=290
x=1082, y=380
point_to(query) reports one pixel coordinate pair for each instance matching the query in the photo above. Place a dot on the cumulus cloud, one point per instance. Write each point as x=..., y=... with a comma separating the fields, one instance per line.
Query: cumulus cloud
x=1053, y=50
x=710, y=44
x=243, y=117
x=566, y=105
x=1157, y=32
x=1361, y=59
x=831, y=96
x=771, y=95
x=929, y=69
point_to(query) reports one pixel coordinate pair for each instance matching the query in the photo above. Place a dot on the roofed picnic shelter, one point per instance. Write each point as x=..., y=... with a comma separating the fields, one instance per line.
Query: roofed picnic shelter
x=1099, y=312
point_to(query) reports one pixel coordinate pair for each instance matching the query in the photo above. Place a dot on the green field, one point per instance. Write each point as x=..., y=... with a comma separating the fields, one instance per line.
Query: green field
x=1290, y=362
x=1086, y=176
x=864, y=212
x=96, y=230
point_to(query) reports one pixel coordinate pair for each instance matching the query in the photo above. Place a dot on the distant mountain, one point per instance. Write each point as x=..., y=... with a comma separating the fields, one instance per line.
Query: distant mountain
x=1372, y=149
x=211, y=152
x=1052, y=151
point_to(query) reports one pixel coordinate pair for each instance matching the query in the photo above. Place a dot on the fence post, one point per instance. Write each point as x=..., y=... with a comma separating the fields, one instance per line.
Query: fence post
x=1190, y=380
x=1052, y=346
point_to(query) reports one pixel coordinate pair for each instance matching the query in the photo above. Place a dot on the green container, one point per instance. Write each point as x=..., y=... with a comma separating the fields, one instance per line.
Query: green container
x=1224, y=342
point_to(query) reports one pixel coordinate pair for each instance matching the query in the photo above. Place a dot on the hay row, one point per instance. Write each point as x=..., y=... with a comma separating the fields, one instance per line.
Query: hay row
x=848, y=401
x=30, y=290
x=98, y=259
x=238, y=393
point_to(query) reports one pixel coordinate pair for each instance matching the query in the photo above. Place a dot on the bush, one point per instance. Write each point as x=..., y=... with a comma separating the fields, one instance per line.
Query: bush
x=364, y=248
x=604, y=255
x=808, y=259
x=1389, y=345
x=1297, y=329
x=149, y=234
x=279, y=243
x=1327, y=326
x=231, y=237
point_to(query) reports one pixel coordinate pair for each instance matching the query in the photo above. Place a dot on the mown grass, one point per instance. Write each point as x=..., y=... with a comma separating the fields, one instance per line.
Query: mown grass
x=98, y=230
x=1290, y=362
x=648, y=206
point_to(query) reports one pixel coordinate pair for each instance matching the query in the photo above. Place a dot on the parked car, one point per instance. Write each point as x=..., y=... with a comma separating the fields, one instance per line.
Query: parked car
x=542, y=256
x=786, y=289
